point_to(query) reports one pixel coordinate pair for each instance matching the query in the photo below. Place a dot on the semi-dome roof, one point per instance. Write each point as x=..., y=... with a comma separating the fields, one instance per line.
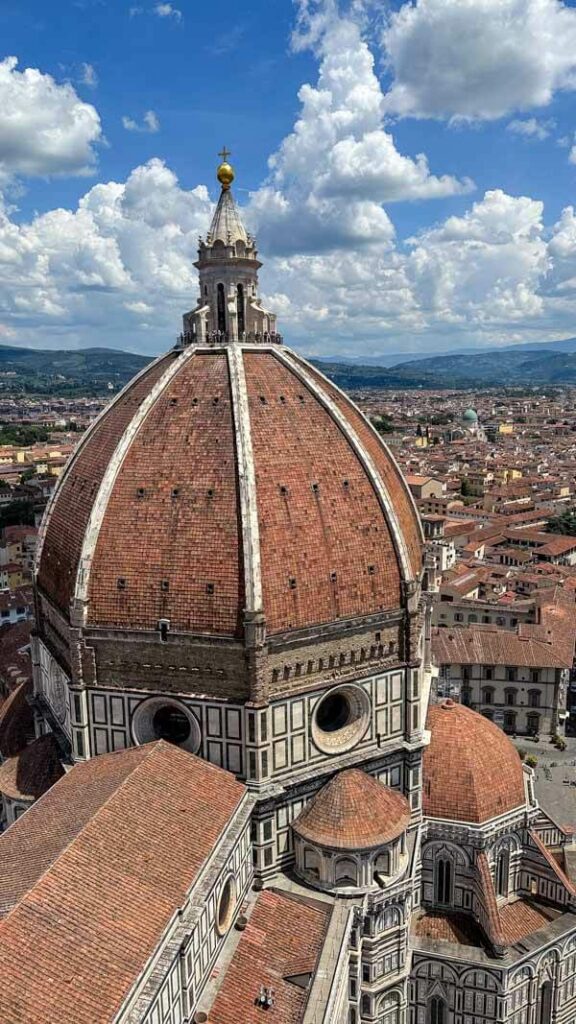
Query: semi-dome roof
x=471, y=770
x=225, y=480
x=354, y=811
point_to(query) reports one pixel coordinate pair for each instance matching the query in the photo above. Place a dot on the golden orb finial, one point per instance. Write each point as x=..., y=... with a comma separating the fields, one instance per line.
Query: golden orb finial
x=225, y=172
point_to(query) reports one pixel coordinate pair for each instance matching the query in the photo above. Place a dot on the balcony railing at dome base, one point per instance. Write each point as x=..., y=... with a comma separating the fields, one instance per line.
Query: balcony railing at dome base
x=223, y=338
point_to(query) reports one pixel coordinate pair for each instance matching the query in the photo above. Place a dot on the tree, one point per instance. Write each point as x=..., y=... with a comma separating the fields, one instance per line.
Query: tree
x=565, y=523
x=466, y=489
x=22, y=434
x=382, y=424
x=17, y=513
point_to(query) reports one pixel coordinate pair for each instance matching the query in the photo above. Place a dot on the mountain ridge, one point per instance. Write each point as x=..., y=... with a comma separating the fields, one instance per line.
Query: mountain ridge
x=100, y=370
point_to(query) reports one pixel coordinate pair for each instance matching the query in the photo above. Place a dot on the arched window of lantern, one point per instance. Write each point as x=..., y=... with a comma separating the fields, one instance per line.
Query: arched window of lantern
x=221, y=308
x=240, y=309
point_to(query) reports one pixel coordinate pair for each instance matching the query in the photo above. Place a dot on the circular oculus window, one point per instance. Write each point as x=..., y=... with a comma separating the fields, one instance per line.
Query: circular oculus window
x=162, y=718
x=340, y=719
x=226, y=906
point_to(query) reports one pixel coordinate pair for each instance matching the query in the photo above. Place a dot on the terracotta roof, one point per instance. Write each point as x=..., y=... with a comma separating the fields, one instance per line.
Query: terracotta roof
x=93, y=872
x=522, y=918
x=15, y=660
x=493, y=646
x=16, y=720
x=18, y=597
x=169, y=536
x=459, y=929
x=471, y=770
x=353, y=811
x=283, y=939
x=31, y=773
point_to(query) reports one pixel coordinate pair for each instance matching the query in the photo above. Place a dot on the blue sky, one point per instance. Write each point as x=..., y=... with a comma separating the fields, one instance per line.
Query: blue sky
x=108, y=148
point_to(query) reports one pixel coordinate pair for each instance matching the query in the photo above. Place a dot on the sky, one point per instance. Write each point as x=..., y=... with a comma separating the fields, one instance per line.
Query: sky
x=409, y=168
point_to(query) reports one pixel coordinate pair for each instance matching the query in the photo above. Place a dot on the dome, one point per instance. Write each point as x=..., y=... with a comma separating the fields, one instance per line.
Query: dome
x=225, y=481
x=471, y=770
x=470, y=416
x=354, y=811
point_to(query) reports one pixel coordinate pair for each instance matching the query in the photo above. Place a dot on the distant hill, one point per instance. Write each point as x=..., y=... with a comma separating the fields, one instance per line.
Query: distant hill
x=91, y=371
x=522, y=365
x=99, y=371
x=87, y=371
x=355, y=376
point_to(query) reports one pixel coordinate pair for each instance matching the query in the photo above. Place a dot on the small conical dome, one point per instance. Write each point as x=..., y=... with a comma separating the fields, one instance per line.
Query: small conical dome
x=227, y=226
x=354, y=811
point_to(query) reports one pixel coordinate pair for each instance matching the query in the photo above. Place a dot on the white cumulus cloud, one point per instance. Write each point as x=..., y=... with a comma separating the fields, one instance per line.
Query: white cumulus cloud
x=118, y=269
x=126, y=252
x=332, y=173
x=45, y=128
x=479, y=58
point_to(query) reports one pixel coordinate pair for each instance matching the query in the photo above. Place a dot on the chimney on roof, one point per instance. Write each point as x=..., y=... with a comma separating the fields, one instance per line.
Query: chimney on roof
x=265, y=998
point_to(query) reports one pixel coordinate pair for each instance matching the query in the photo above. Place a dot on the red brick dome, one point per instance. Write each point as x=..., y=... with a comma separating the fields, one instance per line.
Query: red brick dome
x=471, y=770
x=222, y=481
x=354, y=811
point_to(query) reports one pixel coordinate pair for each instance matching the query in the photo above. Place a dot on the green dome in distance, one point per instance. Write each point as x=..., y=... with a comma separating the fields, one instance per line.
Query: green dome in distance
x=470, y=416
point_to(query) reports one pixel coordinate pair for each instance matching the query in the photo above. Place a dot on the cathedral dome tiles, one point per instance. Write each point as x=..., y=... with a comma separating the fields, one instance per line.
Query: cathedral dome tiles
x=472, y=772
x=229, y=479
x=354, y=811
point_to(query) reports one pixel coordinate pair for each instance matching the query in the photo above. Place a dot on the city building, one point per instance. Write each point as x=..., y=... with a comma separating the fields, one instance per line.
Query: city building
x=236, y=800
x=517, y=677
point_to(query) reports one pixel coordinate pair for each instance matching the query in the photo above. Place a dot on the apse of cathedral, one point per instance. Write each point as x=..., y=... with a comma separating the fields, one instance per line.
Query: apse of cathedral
x=230, y=800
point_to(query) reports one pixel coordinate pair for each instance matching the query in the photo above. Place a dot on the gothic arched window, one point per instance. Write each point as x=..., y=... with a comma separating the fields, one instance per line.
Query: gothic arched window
x=502, y=869
x=437, y=1011
x=443, y=881
x=221, y=302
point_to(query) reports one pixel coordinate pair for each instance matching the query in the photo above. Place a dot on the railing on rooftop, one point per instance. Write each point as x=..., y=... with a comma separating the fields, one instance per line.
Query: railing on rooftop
x=223, y=338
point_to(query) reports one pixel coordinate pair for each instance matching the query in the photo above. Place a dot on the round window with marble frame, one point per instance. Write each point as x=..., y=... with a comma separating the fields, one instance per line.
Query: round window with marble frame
x=226, y=906
x=341, y=719
x=165, y=718
x=57, y=692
